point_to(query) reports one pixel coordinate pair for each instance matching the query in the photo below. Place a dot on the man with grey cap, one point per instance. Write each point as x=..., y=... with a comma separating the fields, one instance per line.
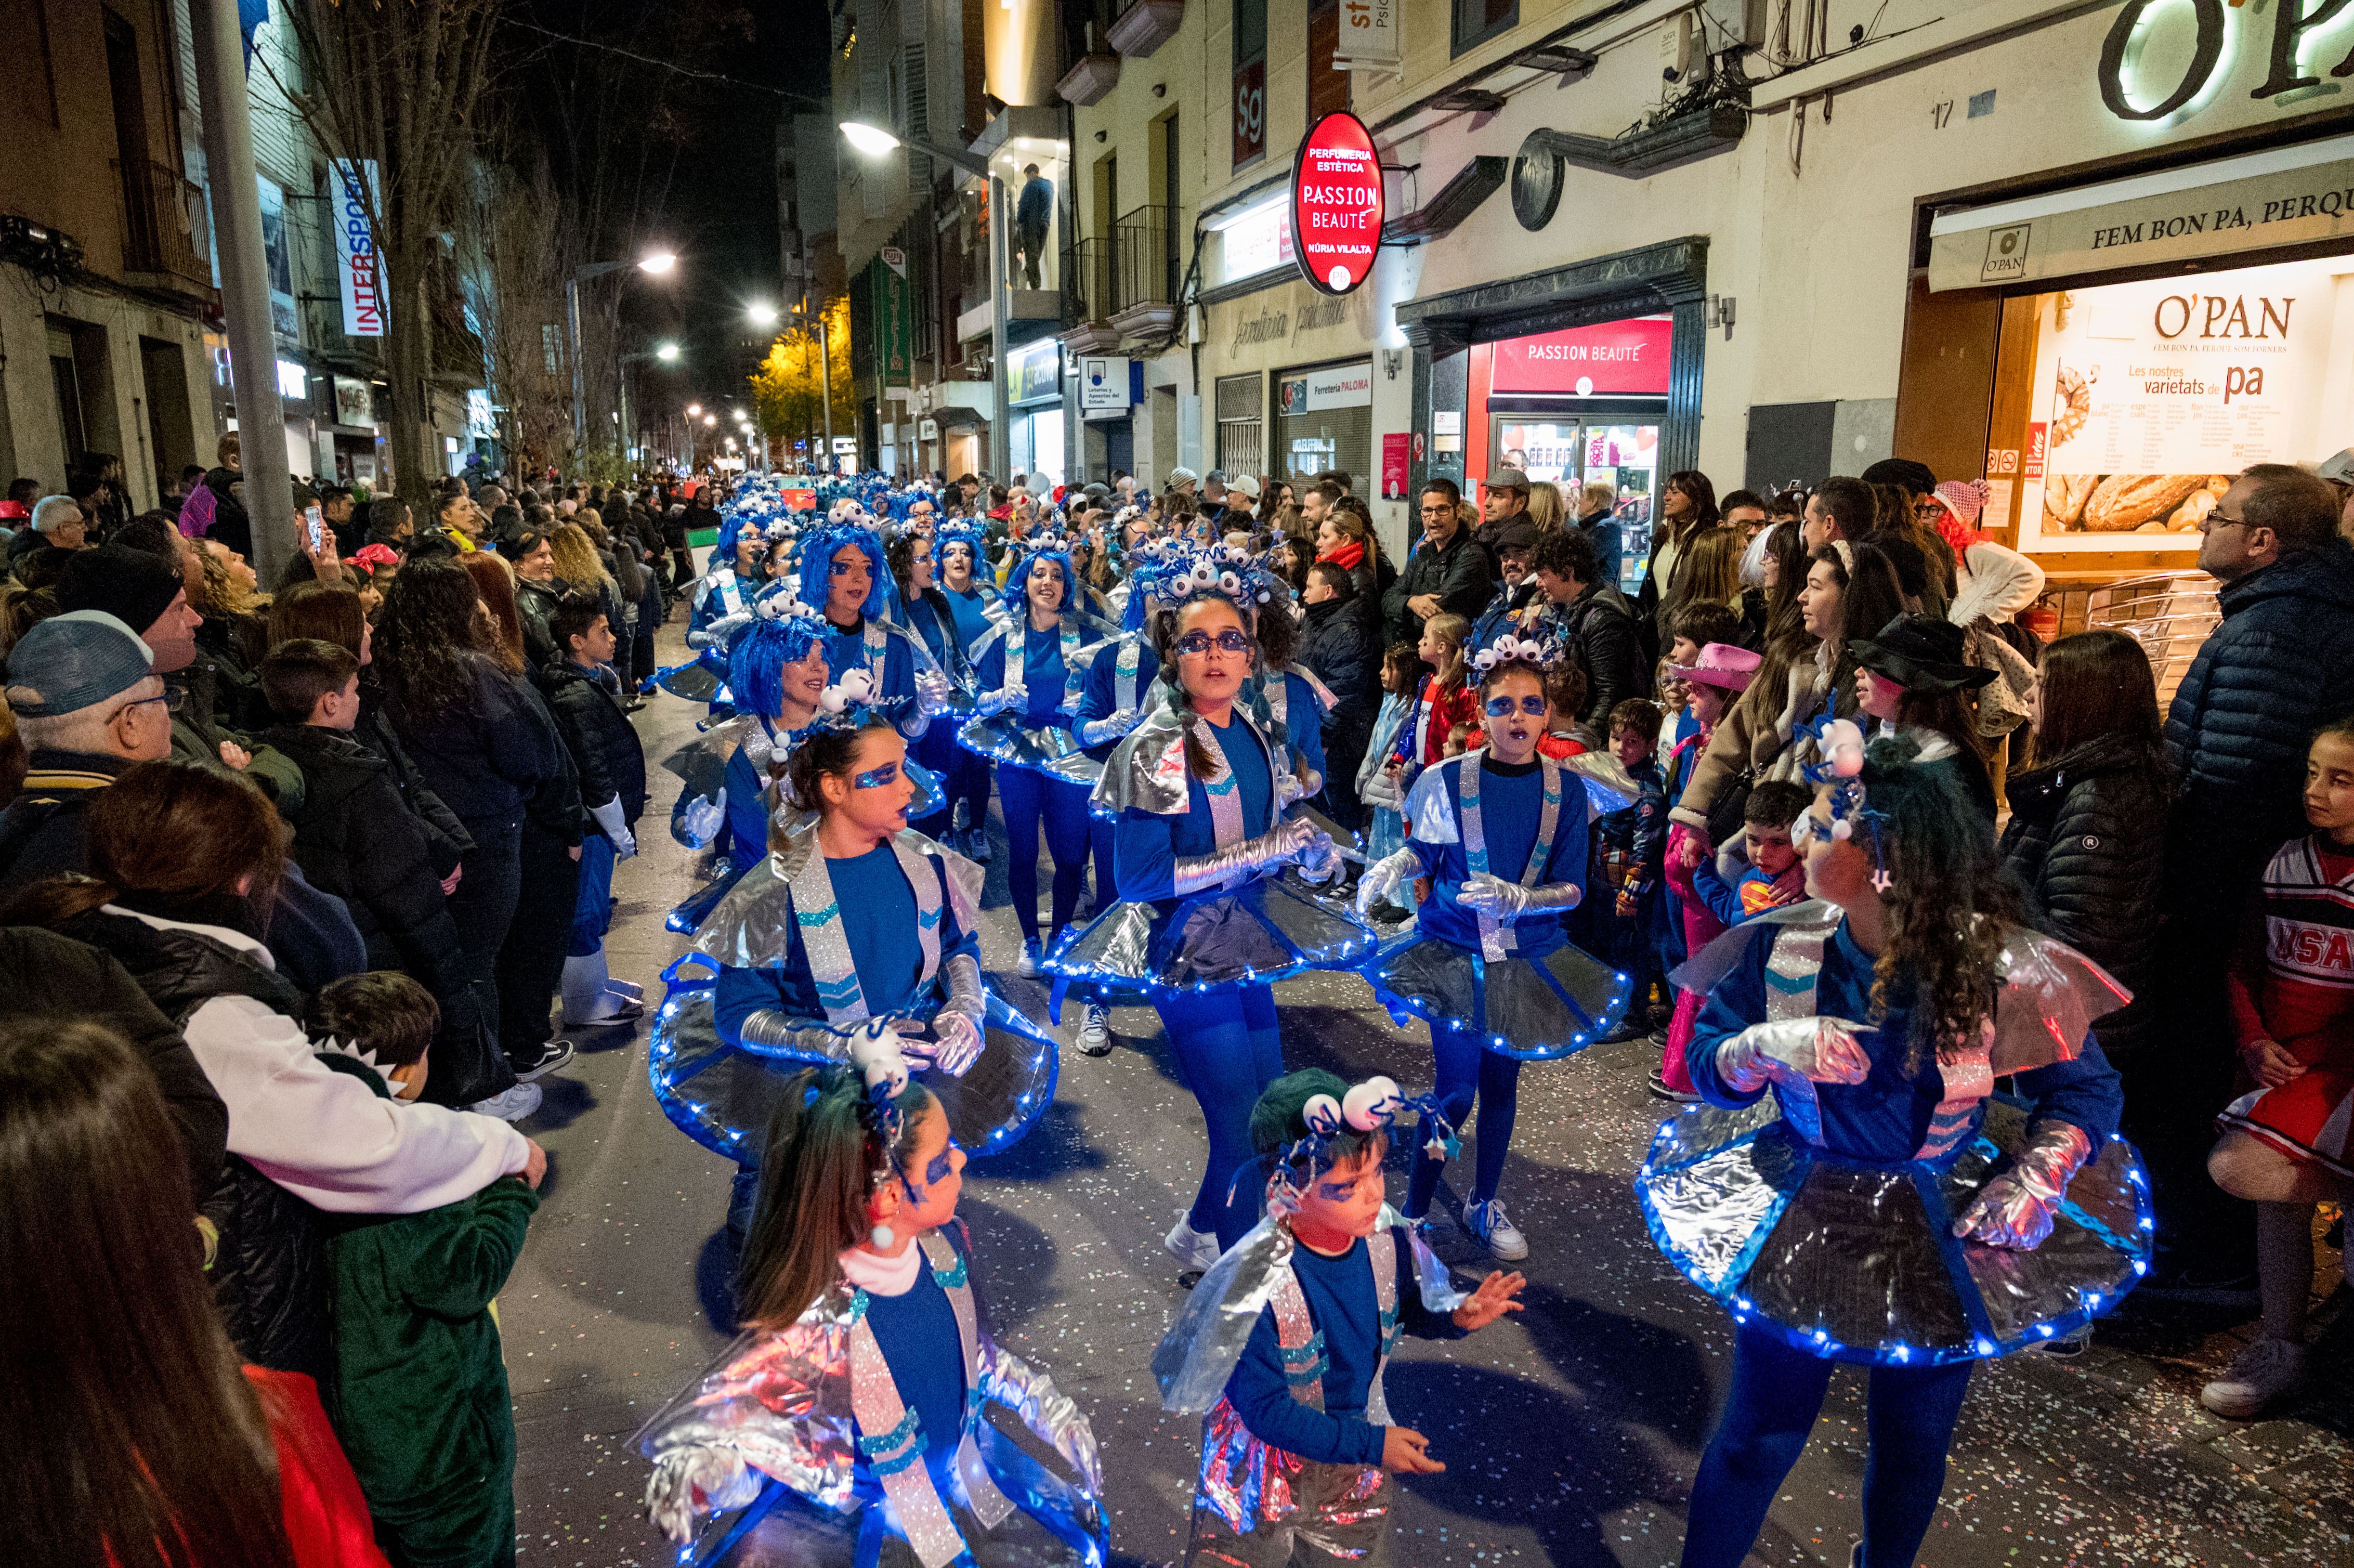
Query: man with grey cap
x=89, y=704
x=1504, y=504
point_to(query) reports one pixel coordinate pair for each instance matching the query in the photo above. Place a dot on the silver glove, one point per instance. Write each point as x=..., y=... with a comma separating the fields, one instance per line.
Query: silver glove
x=1110, y=727
x=615, y=827
x=700, y=820
x=720, y=632
x=770, y=1029
x=1385, y=875
x=1290, y=840
x=1509, y=901
x=2015, y=1209
x=1816, y=1050
x=934, y=693
x=992, y=703
x=693, y=1482
x=1322, y=861
x=960, y=1022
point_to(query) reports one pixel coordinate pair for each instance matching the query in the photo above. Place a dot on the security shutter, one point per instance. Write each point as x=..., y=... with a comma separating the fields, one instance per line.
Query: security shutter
x=1242, y=432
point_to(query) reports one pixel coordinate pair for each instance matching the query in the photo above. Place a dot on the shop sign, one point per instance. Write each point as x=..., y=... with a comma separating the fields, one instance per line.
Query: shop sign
x=1034, y=373
x=894, y=322
x=1103, y=384
x=293, y=382
x=1616, y=359
x=928, y=430
x=356, y=257
x=2286, y=195
x=1346, y=386
x=1394, y=464
x=846, y=444
x=354, y=404
x=1337, y=205
x=2132, y=92
x=1369, y=36
x=1250, y=111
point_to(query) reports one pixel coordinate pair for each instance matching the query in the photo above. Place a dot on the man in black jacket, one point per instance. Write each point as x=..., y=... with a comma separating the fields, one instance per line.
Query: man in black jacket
x=355, y=838
x=585, y=697
x=536, y=593
x=1340, y=642
x=1445, y=574
x=2278, y=665
x=1595, y=620
x=87, y=706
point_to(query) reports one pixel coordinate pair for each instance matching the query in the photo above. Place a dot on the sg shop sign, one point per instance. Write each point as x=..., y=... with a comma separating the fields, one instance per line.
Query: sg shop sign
x=2196, y=39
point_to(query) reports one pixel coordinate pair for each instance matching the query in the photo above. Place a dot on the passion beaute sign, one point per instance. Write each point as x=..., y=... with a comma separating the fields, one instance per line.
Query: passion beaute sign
x=1336, y=204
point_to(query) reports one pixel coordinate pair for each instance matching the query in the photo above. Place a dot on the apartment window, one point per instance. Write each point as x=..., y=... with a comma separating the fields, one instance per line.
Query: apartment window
x=1476, y=21
x=1250, y=82
x=1328, y=90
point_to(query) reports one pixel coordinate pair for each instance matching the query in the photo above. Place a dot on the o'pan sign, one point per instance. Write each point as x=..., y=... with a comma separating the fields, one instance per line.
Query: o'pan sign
x=1336, y=204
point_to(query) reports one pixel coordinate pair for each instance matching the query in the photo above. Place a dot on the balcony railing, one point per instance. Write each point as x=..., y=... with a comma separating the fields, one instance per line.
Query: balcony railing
x=1144, y=249
x=1088, y=277
x=158, y=231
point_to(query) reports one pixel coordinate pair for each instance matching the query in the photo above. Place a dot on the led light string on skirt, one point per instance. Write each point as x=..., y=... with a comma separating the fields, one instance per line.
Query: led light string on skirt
x=1373, y=1105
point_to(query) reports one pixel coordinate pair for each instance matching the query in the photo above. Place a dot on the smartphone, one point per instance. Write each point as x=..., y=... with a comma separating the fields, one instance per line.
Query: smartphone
x=317, y=523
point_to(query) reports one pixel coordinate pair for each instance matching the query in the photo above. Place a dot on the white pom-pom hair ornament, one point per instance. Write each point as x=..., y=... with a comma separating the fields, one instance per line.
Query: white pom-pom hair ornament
x=874, y=1053
x=1370, y=1103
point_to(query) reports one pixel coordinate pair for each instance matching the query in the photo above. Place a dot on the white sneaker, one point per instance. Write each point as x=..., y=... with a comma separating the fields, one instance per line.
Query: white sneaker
x=1193, y=1249
x=1029, y=966
x=512, y=1106
x=1487, y=1222
x=2263, y=1373
x=1094, y=1031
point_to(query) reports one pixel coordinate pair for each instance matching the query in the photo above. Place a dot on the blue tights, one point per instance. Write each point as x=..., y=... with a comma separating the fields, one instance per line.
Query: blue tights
x=1028, y=796
x=1776, y=1392
x=938, y=751
x=1229, y=1049
x=1467, y=1070
x=969, y=774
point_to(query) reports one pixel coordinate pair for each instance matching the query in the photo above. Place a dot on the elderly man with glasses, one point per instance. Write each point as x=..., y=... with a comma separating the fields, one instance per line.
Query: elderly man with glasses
x=1446, y=575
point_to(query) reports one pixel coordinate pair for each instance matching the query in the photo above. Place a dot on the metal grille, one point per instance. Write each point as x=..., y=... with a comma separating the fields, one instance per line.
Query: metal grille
x=1242, y=446
x=1238, y=397
x=2169, y=614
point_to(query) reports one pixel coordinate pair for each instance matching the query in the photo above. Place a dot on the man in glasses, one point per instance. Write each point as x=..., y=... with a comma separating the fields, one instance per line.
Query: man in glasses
x=2277, y=665
x=89, y=704
x=1446, y=575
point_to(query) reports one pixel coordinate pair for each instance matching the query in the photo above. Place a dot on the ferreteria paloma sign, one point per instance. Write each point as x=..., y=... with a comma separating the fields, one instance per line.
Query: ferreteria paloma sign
x=1336, y=204
x=2193, y=39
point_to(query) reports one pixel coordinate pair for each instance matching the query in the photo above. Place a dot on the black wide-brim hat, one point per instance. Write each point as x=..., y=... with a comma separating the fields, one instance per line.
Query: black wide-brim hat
x=1920, y=654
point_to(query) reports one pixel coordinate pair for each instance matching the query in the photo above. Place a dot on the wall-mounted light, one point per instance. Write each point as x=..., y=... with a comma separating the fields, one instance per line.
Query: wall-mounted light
x=1100, y=136
x=1720, y=313
x=1159, y=90
x=1392, y=358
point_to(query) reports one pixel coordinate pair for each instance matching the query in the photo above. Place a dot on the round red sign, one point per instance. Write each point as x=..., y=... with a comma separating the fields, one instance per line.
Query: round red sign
x=1336, y=203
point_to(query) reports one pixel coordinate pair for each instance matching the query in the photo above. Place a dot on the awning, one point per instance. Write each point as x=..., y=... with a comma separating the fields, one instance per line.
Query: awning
x=960, y=418
x=2282, y=196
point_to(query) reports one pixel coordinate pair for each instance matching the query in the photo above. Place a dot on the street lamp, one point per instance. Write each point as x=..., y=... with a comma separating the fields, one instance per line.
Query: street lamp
x=824, y=357
x=760, y=314
x=654, y=262
x=667, y=353
x=695, y=410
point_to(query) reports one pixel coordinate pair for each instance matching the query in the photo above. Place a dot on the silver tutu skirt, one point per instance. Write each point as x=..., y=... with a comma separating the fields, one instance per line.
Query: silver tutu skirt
x=1269, y=930
x=1003, y=738
x=1857, y=1262
x=1531, y=1010
x=722, y=1095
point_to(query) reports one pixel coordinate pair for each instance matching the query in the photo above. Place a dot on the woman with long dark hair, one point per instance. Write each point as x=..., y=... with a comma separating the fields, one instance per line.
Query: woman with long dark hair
x=481, y=743
x=137, y=1441
x=184, y=866
x=1686, y=507
x=2087, y=832
x=1210, y=916
x=927, y=613
x=1858, y=1215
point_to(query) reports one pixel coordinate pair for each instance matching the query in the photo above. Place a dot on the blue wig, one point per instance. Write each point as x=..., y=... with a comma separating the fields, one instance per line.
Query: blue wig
x=1017, y=591
x=959, y=530
x=756, y=668
x=822, y=544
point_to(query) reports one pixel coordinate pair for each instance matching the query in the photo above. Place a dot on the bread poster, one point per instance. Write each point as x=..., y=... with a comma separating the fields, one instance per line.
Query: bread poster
x=2150, y=397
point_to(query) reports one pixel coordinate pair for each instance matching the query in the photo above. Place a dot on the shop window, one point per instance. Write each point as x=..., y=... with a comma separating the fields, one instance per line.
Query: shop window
x=1242, y=431
x=1250, y=82
x=1476, y=21
x=1324, y=419
x=2122, y=412
x=1328, y=90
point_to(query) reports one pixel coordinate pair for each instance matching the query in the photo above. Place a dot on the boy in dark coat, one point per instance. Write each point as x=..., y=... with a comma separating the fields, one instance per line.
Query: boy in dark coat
x=585, y=697
x=419, y=1395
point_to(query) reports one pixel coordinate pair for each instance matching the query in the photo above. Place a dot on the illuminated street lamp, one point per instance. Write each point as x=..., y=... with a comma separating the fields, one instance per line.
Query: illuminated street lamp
x=760, y=314
x=653, y=262
x=667, y=353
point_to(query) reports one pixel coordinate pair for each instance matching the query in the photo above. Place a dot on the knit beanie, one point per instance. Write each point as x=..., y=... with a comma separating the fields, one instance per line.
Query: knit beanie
x=133, y=585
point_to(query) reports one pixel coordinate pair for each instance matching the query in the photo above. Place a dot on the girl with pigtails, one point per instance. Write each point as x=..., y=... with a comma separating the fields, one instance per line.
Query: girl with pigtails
x=847, y=1425
x=848, y=923
x=1500, y=832
x=1215, y=902
x=1854, y=1189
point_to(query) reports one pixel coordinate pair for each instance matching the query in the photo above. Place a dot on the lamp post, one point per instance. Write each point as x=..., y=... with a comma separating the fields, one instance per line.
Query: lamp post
x=824, y=374
x=654, y=262
x=874, y=142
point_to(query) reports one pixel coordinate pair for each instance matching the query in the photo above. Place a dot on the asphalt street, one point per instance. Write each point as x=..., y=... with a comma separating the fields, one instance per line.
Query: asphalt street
x=1570, y=1433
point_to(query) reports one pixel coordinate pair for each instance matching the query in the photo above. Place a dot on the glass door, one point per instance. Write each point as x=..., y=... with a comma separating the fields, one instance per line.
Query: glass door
x=1569, y=451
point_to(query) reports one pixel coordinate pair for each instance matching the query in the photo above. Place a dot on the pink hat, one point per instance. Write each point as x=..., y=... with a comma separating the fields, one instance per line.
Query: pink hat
x=1721, y=664
x=1962, y=501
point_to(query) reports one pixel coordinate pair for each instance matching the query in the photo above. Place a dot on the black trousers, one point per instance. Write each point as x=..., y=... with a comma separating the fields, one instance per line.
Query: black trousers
x=530, y=965
x=483, y=909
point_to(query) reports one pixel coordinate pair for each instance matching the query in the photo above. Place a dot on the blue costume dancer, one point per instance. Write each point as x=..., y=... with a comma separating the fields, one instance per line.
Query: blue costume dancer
x=1028, y=667
x=1879, y=1205
x=818, y=938
x=960, y=566
x=1500, y=831
x=1213, y=911
x=844, y=579
x=927, y=613
x=848, y=1424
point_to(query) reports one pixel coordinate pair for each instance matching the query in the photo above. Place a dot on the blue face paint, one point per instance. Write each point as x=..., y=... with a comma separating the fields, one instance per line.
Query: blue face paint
x=875, y=777
x=938, y=1171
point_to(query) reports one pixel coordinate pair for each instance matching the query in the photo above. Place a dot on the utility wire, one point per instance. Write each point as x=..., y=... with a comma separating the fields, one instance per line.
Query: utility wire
x=671, y=65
